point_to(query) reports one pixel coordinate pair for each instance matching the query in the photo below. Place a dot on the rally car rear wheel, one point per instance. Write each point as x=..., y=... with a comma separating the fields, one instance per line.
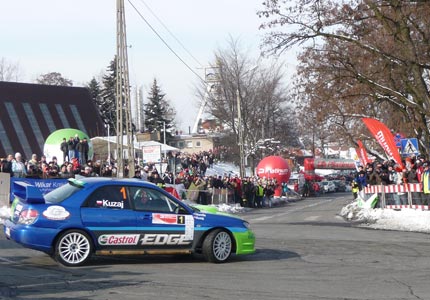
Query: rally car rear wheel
x=217, y=246
x=73, y=248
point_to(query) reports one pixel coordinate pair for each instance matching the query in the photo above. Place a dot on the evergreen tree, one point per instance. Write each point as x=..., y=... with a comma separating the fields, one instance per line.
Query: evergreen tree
x=95, y=90
x=107, y=101
x=158, y=112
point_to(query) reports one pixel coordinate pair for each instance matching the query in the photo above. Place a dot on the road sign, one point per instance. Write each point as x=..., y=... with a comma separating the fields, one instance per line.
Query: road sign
x=398, y=140
x=410, y=147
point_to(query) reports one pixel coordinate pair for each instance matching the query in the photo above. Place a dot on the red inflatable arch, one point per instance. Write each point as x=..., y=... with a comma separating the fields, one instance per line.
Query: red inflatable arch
x=310, y=164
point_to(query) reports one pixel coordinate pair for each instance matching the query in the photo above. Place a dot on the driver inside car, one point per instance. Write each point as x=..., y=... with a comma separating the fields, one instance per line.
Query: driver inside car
x=141, y=199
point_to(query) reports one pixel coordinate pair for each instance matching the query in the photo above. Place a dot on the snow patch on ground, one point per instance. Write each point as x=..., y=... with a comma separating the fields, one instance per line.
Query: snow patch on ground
x=413, y=220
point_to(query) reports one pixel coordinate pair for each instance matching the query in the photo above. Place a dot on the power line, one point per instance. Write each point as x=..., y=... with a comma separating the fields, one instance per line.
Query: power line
x=171, y=33
x=165, y=43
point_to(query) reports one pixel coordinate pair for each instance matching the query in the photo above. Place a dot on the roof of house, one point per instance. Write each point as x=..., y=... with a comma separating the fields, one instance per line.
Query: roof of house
x=29, y=113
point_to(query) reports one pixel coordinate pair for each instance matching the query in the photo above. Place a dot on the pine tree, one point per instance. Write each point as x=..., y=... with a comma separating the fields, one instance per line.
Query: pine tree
x=95, y=90
x=158, y=112
x=95, y=93
x=107, y=104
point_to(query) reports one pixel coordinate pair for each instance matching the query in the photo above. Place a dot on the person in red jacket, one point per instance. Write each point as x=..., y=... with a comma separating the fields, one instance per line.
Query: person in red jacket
x=316, y=188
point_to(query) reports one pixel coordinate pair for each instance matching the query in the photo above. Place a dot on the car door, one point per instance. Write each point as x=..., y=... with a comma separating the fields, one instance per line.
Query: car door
x=162, y=223
x=108, y=215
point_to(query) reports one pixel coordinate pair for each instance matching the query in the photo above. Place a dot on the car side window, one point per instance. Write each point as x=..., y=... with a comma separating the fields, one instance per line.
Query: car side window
x=111, y=197
x=145, y=199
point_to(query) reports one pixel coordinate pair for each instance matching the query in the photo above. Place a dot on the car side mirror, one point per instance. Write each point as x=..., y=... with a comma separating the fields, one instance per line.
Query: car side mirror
x=182, y=210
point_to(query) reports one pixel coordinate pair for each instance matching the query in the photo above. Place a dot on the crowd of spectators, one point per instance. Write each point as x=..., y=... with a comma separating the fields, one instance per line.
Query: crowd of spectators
x=413, y=170
x=37, y=168
x=190, y=170
x=187, y=169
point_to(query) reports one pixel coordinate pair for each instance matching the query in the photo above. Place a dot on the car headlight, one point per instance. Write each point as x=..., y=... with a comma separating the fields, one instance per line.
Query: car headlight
x=246, y=224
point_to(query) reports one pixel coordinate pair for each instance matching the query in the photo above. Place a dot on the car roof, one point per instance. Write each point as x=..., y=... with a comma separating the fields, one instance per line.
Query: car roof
x=101, y=180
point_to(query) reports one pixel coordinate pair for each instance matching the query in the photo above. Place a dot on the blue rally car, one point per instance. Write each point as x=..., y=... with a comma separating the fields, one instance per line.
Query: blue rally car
x=104, y=216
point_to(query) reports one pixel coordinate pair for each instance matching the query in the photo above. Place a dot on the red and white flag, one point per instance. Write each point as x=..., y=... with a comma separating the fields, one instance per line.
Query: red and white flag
x=385, y=138
x=362, y=154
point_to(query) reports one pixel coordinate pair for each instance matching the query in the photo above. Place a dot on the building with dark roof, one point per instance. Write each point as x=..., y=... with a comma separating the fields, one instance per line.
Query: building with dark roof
x=29, y=113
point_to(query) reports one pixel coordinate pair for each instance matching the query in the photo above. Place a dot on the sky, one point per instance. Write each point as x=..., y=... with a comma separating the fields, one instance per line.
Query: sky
x=78, y=39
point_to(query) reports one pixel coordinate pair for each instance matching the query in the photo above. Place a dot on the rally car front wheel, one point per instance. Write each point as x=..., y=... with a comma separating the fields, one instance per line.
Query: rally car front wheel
x=217, y=246
x=73, y=248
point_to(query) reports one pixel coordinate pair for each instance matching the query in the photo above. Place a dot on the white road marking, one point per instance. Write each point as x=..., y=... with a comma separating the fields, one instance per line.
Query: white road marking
x=312, y=218
x=6, y=260
x=289, y=212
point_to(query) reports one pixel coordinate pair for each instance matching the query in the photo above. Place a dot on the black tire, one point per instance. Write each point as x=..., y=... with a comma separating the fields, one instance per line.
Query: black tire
x=217, y=246
x=73, y=248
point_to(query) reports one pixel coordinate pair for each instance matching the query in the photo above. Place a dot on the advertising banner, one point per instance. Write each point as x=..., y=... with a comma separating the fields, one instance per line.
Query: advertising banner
x=44, y=185
x=362, y=154
x=385, y=138
x=151, y=154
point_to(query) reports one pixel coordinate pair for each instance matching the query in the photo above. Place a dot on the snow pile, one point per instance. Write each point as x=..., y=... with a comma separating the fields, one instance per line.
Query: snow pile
x=231, y=209
x=352, y=212
x=4, y=213
x=413, y=220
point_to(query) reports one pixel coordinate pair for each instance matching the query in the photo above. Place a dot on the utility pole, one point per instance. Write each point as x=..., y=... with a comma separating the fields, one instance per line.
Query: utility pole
x=123, y=106
x=240, y=133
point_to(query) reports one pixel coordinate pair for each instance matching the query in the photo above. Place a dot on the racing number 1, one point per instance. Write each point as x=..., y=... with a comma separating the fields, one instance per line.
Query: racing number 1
x=124, y=193
x=181, y=219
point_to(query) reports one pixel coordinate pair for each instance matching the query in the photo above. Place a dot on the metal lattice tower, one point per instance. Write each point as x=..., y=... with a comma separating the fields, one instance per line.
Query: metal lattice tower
x=123, y=106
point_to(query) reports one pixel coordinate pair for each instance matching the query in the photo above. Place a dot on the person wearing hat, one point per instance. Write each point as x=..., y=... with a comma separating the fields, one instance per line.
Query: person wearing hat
x=54, y=162
x=354, y=189
x=33, y=162
x=361, y=180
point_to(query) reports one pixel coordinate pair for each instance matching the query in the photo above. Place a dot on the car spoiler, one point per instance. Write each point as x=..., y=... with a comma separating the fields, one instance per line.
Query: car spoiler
x=27, y=192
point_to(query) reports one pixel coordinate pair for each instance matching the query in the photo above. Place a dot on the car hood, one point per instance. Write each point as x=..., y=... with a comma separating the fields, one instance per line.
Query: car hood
x=210, y=209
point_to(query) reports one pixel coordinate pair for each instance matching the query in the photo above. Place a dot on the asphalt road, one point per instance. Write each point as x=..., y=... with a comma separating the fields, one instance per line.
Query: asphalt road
x=304, y=251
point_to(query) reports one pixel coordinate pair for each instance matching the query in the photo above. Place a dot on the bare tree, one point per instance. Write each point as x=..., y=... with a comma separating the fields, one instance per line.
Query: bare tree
x=361, y=59
x=260, y=89
x=9, y=71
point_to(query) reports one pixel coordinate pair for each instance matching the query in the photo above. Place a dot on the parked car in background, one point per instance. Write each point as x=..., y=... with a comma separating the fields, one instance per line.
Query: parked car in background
x=340, y=185
x=328, y=186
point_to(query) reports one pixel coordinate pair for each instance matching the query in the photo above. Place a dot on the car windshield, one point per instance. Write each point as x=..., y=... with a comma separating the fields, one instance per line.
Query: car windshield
x=61, y=193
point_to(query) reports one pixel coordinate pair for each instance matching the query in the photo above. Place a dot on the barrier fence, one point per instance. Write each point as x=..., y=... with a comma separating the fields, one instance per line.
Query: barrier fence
x=212, y=196
x=398, y=196
x=218, y=196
